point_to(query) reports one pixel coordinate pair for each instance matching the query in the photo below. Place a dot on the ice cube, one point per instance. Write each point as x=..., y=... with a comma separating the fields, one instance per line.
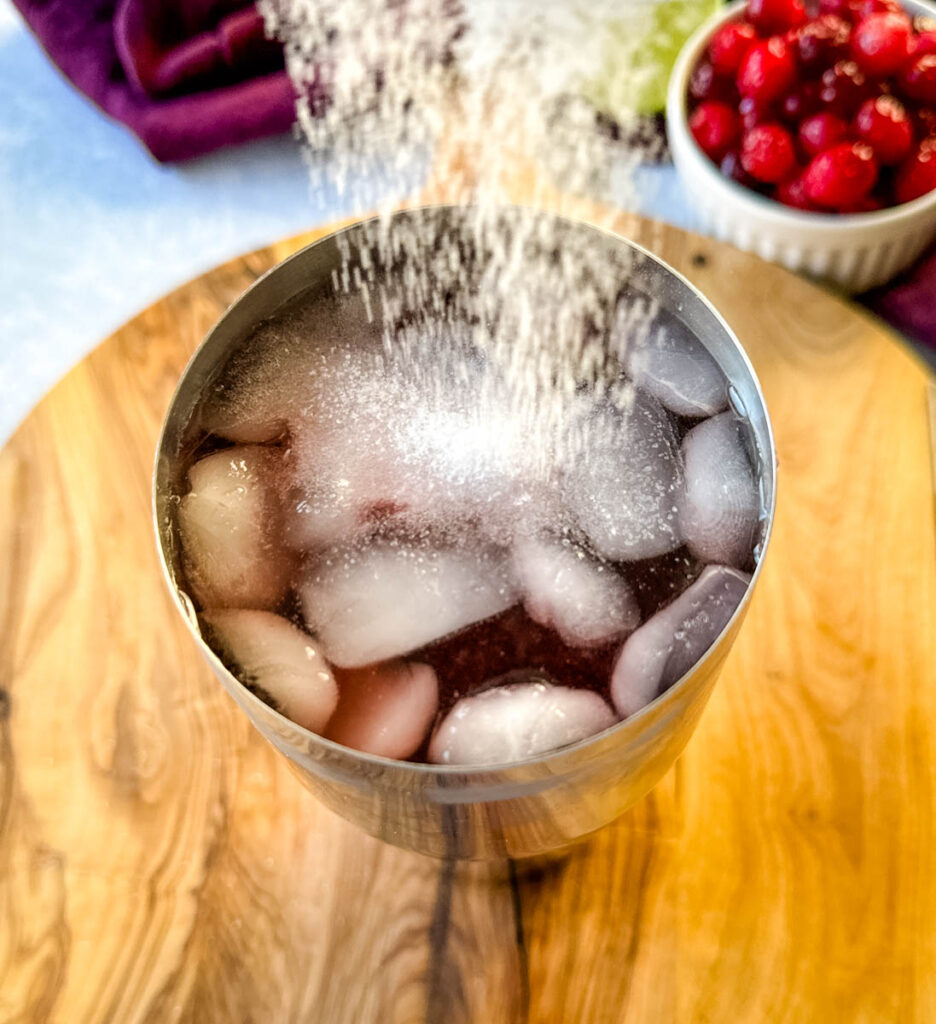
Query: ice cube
x=424, y=451
x=279, y=662
x=672, y=641
x=250, y=401
x=515, y=721
x=429, y=430
x=345, y=454
x=290, y=367
x=342, y=467
x=386, y=709
x=320, y=517
x=718, y=508
x=667, y=360
x=229, y=524
x=622, y=487
x=585, y=601
x=385, y=599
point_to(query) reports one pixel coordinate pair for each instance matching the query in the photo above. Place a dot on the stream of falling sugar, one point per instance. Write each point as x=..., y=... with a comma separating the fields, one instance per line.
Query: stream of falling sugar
x=384, y=87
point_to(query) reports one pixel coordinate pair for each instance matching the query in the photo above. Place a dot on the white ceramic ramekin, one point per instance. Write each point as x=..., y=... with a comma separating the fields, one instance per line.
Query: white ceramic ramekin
x=854, y=251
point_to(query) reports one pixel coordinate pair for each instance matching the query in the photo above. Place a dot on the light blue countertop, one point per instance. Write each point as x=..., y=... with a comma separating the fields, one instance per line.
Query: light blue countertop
x=92, y=229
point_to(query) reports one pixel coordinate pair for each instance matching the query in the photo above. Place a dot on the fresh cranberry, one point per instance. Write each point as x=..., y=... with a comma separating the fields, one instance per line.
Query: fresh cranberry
x=924, y=43
x=767, y=71
x=924, y=121
x=843, y=88
x=754, y=112
x=881, y=42
x=822, y=42
x=840, y=7
x=716, y=128
x=767, y=153
x=704, y=84
x=919, y=79
x=869, y=204
x=865, y=8
x=821, y=132
x=917, y=174
x=793, y=193
x=770, y=16
x=885, y=125
x=800, y=103
x=729, y=45
x=731, y=167
x=855, y=10
x=841, y=176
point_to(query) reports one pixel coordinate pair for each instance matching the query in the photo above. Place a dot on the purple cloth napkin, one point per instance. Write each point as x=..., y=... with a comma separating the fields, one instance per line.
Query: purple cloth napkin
x=909, y=302
x=186, y=76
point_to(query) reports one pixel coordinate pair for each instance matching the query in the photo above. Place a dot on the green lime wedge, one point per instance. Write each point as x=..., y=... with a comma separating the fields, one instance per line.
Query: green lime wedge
x=639, y=52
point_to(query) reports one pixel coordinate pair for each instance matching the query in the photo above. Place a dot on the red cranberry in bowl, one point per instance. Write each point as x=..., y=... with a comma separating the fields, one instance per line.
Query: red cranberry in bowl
x=754, y=112
x=924, y=43
x=821, y=132
x=918, y=79
x=770, y=16
x=800, y=103
x=864, y=8
x=924, y=121
x=841, y=176
x=706, y=85
x=869, y=204
x=843, y=88
x=716, y=127
x=793, y=193
x=767, y=153
x=840, y=7
x=880, y=43
x=917, y=174
x=822, y=42
x=729, y=45
x=767, y=71
x=885, y=125
x=732, y=168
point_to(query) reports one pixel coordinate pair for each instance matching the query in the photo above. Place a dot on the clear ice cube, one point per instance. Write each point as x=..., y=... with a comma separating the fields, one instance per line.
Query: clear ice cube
x=385, y=709
x=388, y=598
x=666, y=359
x=404, y=440
x=622, y=487
x=228, y=524
x=585, y=601
x=718, y=508
x=515, y=721
x=669, y=644
x=280, y=662
x=289, y=368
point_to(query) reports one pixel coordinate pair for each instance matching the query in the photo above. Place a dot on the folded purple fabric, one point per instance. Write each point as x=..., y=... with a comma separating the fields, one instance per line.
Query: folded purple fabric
x=909, y=302
x=186, y=76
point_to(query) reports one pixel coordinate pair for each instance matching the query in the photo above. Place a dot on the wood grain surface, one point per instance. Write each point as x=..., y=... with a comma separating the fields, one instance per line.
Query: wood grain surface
x=158, y=861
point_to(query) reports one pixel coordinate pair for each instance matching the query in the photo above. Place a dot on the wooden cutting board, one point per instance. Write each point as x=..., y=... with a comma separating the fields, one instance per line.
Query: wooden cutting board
x=158, y=862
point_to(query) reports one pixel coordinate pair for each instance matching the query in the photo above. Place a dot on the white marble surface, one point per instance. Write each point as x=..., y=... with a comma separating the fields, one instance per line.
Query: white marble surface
x=92, y=229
